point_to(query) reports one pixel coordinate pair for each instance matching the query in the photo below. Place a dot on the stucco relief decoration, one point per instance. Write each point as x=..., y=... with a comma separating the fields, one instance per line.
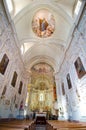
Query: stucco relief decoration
x=43, y=23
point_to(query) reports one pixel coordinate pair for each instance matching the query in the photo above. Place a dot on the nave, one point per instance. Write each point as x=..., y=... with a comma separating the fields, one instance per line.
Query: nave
x=43, y=64
x=50, y=125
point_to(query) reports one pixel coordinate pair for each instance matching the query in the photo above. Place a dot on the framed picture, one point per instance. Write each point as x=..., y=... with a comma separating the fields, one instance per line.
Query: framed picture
x=20, y=87
x=79, y=68
x=14, y=79
x=54, y=91
x=63, y=90
x=3, y=64
x=69, y=81
x=43, y=25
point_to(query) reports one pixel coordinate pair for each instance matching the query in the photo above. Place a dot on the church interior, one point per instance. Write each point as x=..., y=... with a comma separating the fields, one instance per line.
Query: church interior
x=42, y=65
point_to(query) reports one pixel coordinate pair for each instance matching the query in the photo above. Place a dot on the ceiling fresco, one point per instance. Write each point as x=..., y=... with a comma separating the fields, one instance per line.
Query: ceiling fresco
x=42, y=68
x=42, y=76
x=43, y=23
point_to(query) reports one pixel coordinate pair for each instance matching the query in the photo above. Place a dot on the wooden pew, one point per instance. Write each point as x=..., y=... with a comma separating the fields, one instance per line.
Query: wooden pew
x=19, y=127
x=49, y=127
x=5, y=128
x=70, y=129
x=66, y=125
x=17, y=124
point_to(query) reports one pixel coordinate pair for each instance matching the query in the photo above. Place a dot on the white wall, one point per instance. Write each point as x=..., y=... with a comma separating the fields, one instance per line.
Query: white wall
x=9, y=47
x=75, y=98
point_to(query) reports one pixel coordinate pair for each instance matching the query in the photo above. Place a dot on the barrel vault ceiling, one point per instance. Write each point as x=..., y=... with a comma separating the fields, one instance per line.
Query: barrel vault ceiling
x=44, y=29
x=35, y=49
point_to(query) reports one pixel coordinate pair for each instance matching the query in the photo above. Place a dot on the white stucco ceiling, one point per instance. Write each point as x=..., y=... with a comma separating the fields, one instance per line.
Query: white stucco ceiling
x=51, y=49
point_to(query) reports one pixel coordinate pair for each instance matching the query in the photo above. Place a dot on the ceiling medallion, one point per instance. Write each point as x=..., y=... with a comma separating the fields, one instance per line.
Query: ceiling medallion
x=43, y=23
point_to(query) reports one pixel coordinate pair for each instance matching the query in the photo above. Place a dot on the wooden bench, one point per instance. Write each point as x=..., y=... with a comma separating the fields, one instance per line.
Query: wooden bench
x=20, y=124
x=69, y=128
x=66, y=125
x=15, y=124
x=7, y=128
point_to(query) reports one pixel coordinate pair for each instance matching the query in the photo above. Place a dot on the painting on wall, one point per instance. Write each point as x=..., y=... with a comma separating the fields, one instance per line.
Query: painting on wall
x=43, y=23
x=54, y=92
x=20, y=87
x=3, y=64
x=79, y=68
x=69, y=81
x=63, y=90
x=42, y=68
x=14, y=79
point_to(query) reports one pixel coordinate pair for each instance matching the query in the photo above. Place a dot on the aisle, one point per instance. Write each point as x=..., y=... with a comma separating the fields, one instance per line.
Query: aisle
x=40, y=127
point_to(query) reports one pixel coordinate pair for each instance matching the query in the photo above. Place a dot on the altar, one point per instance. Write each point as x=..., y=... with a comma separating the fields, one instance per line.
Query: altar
x=41, y=118
x=43, y=114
